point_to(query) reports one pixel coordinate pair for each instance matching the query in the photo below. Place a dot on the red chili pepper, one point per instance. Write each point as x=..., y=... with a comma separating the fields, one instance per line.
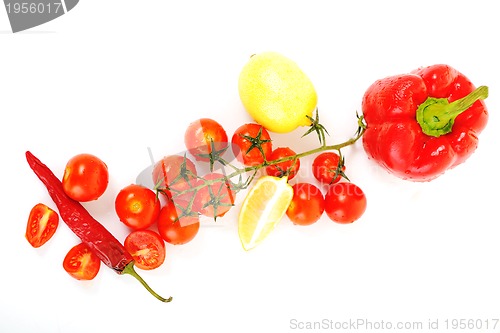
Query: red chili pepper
x=111, y=252
x=421, y=124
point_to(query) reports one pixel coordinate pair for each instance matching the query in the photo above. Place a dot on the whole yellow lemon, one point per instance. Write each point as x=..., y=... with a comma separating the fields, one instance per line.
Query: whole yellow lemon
x=276, y=92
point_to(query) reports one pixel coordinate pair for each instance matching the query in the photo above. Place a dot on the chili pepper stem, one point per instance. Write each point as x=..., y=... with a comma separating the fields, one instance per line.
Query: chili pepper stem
x=436, y=116
x=129, y=269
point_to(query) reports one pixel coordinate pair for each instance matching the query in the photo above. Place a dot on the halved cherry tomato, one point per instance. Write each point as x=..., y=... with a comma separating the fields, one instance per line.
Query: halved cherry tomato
x=307, y=204
x=81, y=263
x=328, y=168
x=344, y=202
x=147, y=248
x=204, y=135
x=42, y=224
x=85, y=177
x=215, y=199
x=175, y=226
x=288, y=168
x=174, y=174
x=137, y=206
x=251, y=144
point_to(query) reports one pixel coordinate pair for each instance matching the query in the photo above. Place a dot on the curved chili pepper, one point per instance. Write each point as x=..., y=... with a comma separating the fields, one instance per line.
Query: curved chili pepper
x=109, y=250
x=421, y=124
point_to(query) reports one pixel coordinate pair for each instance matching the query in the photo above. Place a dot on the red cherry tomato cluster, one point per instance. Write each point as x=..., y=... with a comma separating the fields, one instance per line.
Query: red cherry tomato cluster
x=85, y=179
x=251, y=144
x=187, y=194
x=343, y=202
x=170, y=212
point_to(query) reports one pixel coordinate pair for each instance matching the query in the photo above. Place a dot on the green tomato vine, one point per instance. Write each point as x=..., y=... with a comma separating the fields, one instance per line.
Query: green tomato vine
x=216, y=157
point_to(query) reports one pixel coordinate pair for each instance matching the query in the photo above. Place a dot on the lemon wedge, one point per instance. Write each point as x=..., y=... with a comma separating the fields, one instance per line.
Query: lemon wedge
x=262, y=209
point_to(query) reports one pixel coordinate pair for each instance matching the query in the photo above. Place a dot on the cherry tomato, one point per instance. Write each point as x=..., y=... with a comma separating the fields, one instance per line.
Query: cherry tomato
x=327, y=168
x=175, y=227
x=251, y=143
x=146, y=247
x=345, y=202
x=307, y=204
x=85, y=177
x=81, y=263
x=216, y=199
x=137, y=206
x=202, y=136
x=42, y=224
x=289, y=168
x=174, y=174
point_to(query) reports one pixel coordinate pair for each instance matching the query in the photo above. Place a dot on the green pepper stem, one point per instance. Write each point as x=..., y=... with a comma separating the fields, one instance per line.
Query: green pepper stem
x=129, y=269
x=436, y=116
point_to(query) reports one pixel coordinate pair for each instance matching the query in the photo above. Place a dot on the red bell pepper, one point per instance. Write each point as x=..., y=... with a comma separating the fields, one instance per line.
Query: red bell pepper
x=419, y=125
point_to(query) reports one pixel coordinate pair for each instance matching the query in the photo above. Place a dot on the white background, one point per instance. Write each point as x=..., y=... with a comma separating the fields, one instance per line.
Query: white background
x=113, y=78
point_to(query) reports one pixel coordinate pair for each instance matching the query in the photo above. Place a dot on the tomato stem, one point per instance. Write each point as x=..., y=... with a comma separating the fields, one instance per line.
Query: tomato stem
x=359, y=133
x=317, y=127
x=129, y=269
x=239, y=171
